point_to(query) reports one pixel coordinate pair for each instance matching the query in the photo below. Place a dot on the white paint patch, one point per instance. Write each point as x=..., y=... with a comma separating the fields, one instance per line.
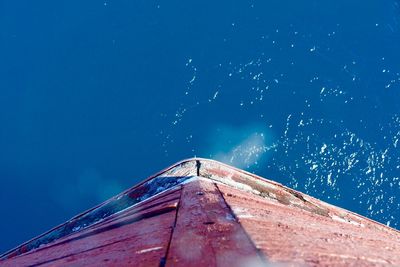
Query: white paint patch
x=148, y=250
x=241, y=213
x=340, y=219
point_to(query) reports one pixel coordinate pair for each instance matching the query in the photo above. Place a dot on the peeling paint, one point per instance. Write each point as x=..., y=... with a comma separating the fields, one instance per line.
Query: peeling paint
x=227, y=212
x=148, y=250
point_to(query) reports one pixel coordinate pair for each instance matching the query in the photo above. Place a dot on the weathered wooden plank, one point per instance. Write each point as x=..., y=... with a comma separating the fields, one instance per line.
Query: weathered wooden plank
x=206, y=233
x=226, y=217
x=140, y=239
x=289, y=234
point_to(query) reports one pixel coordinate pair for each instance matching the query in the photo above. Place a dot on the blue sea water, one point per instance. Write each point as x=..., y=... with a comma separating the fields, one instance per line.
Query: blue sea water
x=97, y=95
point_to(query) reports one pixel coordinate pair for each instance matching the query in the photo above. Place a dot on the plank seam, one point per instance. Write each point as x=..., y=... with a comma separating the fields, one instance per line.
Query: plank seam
x=163, y=260
x=260, y=254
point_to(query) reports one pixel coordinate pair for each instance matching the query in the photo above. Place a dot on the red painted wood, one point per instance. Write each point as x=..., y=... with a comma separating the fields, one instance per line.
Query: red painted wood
x=140, y=239
x=165, y=200
x=206, y=233
x=232, y=223
x=289, y=234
